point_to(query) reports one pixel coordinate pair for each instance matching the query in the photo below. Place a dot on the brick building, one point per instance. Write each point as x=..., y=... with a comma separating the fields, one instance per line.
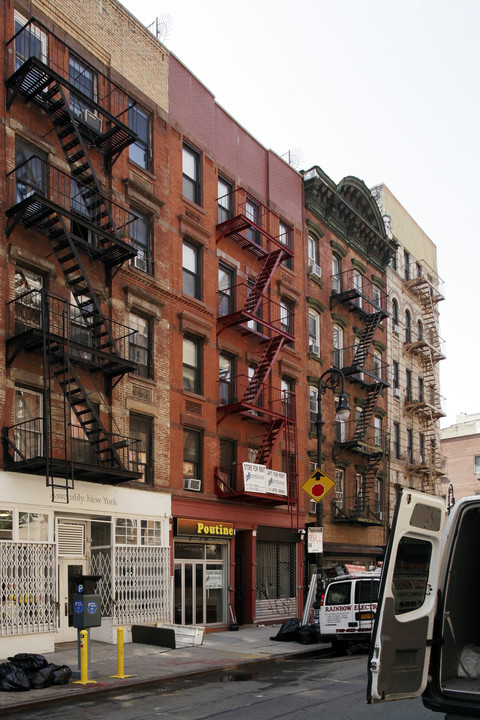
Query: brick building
x=460, y=445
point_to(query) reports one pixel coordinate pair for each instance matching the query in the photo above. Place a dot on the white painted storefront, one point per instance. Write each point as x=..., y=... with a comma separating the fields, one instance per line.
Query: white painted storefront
x=121, y=534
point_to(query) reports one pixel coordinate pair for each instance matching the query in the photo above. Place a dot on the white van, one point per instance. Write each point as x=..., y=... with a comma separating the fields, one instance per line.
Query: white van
x=348, y=608
x=426, y=637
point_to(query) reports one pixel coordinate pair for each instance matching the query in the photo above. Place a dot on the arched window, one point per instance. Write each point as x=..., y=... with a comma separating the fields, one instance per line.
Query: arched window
x=420, y=330
x=408, y=326
x=394, y=313
x=337, y=346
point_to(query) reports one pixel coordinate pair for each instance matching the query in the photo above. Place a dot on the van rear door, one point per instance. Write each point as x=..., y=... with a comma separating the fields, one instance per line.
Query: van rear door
x=400, y=648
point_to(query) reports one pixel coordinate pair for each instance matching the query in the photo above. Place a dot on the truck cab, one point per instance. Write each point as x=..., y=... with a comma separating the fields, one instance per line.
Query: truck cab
x=426, y=635
x=348, y=608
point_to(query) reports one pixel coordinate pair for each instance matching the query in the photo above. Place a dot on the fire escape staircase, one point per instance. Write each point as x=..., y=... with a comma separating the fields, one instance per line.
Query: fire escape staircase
x=37, y=83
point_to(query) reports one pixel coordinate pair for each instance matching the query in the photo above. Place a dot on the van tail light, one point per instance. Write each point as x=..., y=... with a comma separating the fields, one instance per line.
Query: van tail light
x=322, y=599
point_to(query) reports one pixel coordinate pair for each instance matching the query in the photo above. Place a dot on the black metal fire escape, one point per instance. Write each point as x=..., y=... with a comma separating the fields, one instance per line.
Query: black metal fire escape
x=76, y=241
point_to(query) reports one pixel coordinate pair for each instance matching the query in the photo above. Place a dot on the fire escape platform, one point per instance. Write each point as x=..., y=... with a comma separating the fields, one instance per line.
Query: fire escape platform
x=32, y=80
x=424, y=409
x=425, y=350
x=66, y=469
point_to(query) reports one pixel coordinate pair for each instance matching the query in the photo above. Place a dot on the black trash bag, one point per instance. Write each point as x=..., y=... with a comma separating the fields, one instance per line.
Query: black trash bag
x=308, y=634
x=13, y=678
x=30, y=662
x=42, y=678
x=288, y=631
x=61, y=674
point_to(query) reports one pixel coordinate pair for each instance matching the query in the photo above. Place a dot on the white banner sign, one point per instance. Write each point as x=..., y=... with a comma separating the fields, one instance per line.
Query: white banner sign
x=258, y=479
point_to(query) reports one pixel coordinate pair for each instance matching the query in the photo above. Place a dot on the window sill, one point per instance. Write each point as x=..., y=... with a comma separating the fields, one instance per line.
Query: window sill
x=193, y=205
x=135, y=165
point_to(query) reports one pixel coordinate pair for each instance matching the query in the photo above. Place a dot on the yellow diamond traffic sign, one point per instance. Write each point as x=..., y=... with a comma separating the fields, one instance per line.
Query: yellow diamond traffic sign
x=318, y=485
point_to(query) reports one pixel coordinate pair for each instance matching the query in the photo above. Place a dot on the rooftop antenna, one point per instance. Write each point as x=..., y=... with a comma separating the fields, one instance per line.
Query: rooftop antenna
x=161, y=27
x=294, y=158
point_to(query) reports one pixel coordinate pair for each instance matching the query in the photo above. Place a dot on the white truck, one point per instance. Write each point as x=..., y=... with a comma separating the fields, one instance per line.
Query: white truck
x=426, y=636
x=348, y=608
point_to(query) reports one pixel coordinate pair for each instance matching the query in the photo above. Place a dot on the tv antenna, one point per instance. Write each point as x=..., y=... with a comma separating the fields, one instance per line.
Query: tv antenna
x=161, y=27
x=294, y=158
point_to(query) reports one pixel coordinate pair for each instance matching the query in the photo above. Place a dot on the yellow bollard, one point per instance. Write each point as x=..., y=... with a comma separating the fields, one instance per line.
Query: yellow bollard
x=120, y=657
x=84, y=660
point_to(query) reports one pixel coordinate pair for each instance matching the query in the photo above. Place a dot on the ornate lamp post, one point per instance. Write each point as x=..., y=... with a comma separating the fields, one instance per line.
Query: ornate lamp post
x=330, y=379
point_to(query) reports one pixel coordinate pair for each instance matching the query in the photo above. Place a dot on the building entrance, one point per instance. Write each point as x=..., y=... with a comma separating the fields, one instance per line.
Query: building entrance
x=200, y=583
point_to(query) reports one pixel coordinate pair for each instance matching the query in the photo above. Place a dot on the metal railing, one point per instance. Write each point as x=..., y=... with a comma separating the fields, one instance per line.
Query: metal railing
x=360, y=290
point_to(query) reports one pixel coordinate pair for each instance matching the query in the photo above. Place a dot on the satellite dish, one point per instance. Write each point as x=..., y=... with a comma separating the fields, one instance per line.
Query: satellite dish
x=295, y=158
x=161, y=27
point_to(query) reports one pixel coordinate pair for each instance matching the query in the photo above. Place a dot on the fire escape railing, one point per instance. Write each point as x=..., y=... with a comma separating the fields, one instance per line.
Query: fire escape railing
x=239, y=305
x=366, y=368
x=358, y=292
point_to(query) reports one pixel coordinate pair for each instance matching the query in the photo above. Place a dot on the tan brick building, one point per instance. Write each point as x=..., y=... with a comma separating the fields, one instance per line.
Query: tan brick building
x=460, y=445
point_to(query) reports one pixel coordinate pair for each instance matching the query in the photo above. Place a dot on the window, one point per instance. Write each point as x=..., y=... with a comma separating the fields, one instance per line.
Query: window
x=276, y=570
x=253, y=386
x=140, y=344
x=225, y=200
x=141, y=428
x=393, y=260
x=313, y=393
x=420, y=330
x=82, y=449
x=253, y=324
x=313, y=252
x=140, y=237
x=81, y=331
x=396, y=440
x=421, y=394
x=339, y=487
x=226, y=282
x=32, y=42
x=378, y=431
x=313, y=332
x=406, y=264
x=410, y=445
x=192, y=188
x=286, y=317
x=340, y=427
x=29, y=422
x=30, y=170
x=287, y=390
x=408, y=385
x=285, y=236
x=378, y=498
x=377, y=365
x=336, y=274
x=254, y=214
x=421, y=445
x=408, y=327
x=339, y=594
x=358, y=287
x=191, y=365
x=151, y=532
x=395, y=377
x=126, y=531
x=191, y=270
x=226, y=379
x=82, y=77
x=79, y=207
x=410, y=574
x=228, y=456
x=419, y=269
x=376, y=296
x=337, y=346
x=395, y=315
x=28, y=296
x=139, y=122
x=6, y=524
x=192, y=455
x=476, y=464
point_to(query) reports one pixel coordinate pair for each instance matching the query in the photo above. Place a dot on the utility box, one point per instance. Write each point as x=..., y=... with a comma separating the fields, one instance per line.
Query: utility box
x=87, y=610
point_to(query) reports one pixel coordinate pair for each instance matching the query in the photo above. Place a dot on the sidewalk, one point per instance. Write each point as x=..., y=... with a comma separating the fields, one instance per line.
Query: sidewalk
x=150, y=664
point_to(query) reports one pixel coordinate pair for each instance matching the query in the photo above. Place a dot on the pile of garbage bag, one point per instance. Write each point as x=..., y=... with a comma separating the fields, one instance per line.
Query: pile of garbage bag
x=28, y=671
x=293, y=631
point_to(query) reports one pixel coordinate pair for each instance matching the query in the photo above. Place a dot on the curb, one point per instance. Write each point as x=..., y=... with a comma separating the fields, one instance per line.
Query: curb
x=114, y=687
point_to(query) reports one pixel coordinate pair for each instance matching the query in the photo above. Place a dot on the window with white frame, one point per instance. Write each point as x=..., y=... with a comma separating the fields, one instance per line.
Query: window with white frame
x=31, y=42
x=377, y=365
x=285, y=236
x=225, y=200
x=376, y=296
x=336, y=274
x=84, y=79
x=314, y=332
x=358, y=286
x=313, y=252
x=140, y=237
x=191, y=259
x=313, y=399
x=28, y=422
x=139, y=122
x=378, y=431
x=32, y=526
x=476, y=464
x=140, y=350
x=192, y=181
x=339, y=487
x=337, y=346
x=6, y=523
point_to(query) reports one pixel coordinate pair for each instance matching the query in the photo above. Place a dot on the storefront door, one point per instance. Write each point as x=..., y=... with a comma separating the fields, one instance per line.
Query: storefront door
x=200, y=585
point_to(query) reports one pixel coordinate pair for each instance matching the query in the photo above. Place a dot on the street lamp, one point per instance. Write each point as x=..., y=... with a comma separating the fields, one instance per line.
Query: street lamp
x=330, y=379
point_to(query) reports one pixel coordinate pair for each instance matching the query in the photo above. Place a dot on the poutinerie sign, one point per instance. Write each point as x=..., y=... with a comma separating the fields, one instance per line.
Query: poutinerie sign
x=204, y=527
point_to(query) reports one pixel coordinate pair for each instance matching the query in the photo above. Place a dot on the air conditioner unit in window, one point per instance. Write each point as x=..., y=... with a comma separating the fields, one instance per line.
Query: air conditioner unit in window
x=314, y=269
x=192, y=484
x=140, y=263
x=92, y=120
x=396, y=392
x=315, y=349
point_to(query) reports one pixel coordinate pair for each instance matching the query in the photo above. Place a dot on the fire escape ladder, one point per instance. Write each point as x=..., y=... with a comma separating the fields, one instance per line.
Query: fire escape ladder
x=363, y=347
x=365, y=497
x=262, y=371
x=262, y=281
x=86, y=189
x=269, y=441
x=368, y=409
x=83, y=409
x=77, y=280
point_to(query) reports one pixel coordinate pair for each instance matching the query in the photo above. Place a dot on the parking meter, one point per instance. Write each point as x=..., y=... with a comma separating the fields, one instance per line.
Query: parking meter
x=87, y=611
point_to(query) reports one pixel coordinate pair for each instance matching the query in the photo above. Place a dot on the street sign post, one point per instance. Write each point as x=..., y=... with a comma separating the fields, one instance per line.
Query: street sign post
x=318, y=485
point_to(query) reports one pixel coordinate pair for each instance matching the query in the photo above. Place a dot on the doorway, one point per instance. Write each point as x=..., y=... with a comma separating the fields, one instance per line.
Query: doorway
x=200, y=584
x=72, y=561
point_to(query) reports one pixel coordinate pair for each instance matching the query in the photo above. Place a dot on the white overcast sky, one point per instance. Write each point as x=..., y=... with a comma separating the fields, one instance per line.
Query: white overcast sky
x=385, y=90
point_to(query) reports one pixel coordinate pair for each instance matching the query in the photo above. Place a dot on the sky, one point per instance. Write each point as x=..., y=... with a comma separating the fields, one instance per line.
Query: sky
x=385, y=90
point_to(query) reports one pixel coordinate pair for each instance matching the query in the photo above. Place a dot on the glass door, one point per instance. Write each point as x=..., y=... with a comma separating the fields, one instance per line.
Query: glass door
x=200, y=585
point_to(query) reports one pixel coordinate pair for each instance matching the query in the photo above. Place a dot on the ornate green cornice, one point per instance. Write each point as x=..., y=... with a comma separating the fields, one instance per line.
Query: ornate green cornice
x=359, y=266
x=315, y=228
x=315, y=304
x=339, y=320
